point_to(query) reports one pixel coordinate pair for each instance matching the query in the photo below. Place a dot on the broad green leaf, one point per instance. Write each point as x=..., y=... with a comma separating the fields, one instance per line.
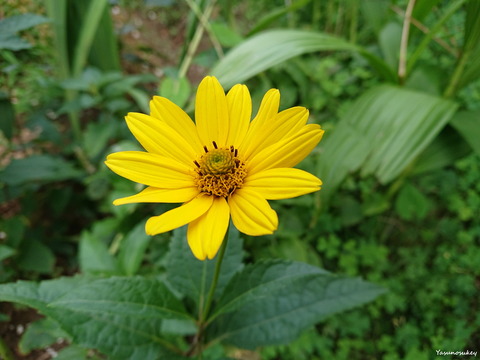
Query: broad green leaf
x=87, y=31
x=411, y=203
x=20, y=22
x=132, y=249
x=13, y=42
x=6, y=252
x=40, y=334
x=192, y=277
x=444, y=150
x=467, y=123
x=225, y=34
x=389, y=41
x=381, y=134
x=94, y=256
x=39, y=295
x=270, y=48
x=177, y=90
x=271, y=302
x=122, y=317
x=38, y=168
x=35, y=256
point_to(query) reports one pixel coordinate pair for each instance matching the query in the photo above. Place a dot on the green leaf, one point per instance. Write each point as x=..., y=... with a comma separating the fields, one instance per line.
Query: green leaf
x=122, y=317
x=177, y=90
x=93, y=254
x=13, y=42
x=382, y=133
x=35, y=256
x=411, y=203
x=389, y=41
x=6, y=252
x=8, y=115
x=20, y=22
x=225, y=35
x=132, y=249
x=40, y=334
x=38, y=168
x=467, y=123
x=444, y=150
x=275, y=14
x=271, y=302
x=270, y=48
x=192, y=277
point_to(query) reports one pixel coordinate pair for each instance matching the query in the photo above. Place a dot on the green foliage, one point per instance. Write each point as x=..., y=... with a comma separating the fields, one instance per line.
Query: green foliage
x=10, y=26
x=402, y=190
x=271, y=302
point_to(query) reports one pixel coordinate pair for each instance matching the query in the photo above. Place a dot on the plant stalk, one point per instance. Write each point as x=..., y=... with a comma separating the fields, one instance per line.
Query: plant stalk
x=402, y=63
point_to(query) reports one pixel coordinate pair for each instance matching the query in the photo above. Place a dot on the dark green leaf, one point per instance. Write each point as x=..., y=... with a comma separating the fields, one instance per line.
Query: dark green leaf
x=38, y=168
x=6, y=252
x=35, y=256
x=40, y=334
x=132, y=249
x=271, y=302
x=122, y=317
x=467, y=123
x=7, y=118
x=192, y=277
x=20, y=22
x=411, y=203
x=447, y=148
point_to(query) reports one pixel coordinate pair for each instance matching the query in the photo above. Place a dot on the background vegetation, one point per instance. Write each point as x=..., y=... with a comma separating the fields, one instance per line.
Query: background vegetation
x=400, y=160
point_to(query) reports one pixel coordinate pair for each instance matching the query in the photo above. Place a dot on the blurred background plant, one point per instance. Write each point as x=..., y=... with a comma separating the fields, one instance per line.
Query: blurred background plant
x=395, y=83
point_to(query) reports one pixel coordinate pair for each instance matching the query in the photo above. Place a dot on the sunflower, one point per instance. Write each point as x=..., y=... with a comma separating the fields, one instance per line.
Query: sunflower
x=220, y=167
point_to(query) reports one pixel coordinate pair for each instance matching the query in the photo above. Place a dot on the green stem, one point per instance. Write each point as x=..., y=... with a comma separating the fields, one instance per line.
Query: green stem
x=402, y=62
x=192, y=47
x=457, y=74
x=433, y=31
x=197, y=345
x=216, y=274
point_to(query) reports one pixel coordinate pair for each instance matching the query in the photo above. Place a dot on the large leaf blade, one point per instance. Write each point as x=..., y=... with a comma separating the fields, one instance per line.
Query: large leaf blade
x=382, y=133
x=192, y=277
x=270, y=48
x=271, y=302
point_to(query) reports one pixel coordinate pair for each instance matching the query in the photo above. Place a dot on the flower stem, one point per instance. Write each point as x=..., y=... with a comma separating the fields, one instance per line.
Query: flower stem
x=218, y=266
x=197, y=344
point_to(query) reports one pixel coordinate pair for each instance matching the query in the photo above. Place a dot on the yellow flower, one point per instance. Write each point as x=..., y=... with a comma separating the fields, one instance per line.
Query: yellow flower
x=223, y=166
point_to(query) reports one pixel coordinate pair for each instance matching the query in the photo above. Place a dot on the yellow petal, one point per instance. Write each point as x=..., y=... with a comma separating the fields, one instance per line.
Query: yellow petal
x=211, y=112
x=268, y=109
x=282, y=183
x=206, y=234
x=179, y=216
x=151, y=169
x=156, y=195
x=165, y=110
x=158, y=137
x=282, y=125
x=251, y=213
x=287, y=152
x=240, y=111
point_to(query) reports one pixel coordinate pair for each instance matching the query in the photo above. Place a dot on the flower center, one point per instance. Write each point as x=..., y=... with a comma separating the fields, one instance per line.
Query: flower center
x=219, y=171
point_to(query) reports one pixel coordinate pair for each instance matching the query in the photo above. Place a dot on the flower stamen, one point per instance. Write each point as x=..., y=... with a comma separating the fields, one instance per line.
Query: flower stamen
x=219, y=171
